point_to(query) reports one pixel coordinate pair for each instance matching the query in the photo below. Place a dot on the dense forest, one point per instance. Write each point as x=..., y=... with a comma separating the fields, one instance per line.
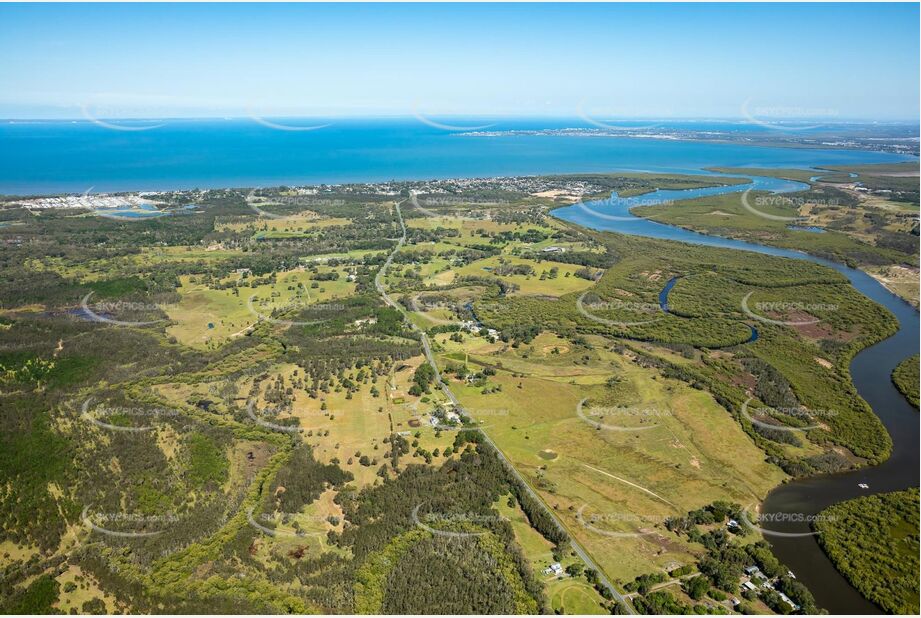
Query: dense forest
x=873, y=541
x=906, y=378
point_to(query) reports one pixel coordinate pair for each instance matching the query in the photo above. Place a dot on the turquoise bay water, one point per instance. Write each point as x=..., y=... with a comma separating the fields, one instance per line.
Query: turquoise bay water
x=64, y=156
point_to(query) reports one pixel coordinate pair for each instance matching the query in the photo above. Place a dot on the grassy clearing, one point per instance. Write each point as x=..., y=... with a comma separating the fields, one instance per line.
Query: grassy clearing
x=568, y=595
x=573, y=596
x=156, y=256
x=565, y=281
x=480, y=232
x=146, y=259
x=342, y=429
x=206, y=317
x=77, y=588
x=14, y=552
x=291, y=226
x=690, y=453
x=900, y=280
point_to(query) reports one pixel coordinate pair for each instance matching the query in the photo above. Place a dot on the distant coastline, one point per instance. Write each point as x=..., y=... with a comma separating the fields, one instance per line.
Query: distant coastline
x=60, y=157
x=832, y=138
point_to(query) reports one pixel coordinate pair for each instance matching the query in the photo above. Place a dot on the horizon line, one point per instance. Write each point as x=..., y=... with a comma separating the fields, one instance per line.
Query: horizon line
x=523, y=116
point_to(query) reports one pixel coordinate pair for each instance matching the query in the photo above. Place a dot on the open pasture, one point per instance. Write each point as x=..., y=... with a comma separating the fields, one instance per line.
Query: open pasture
x=206, y=316
x=659, y=449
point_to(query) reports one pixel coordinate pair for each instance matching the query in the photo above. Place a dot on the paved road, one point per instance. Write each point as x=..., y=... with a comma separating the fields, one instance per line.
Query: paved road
x=426, y=345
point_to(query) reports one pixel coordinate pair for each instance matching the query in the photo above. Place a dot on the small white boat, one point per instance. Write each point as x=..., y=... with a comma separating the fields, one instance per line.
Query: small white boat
x=863, y=486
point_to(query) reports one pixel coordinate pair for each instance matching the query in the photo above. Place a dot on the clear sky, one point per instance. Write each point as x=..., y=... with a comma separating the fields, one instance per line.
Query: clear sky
x=665, y=60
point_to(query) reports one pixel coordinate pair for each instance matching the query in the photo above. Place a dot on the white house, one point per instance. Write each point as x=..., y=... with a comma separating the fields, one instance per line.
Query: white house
x=554, y=569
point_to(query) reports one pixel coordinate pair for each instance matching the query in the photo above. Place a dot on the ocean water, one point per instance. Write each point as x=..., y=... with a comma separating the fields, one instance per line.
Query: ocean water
x=41, y=157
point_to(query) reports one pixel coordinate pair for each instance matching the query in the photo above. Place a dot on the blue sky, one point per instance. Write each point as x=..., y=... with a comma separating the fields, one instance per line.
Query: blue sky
x=829, y=60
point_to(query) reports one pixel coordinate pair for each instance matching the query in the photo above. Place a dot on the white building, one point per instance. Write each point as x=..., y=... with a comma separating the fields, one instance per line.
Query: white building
x=554, y=569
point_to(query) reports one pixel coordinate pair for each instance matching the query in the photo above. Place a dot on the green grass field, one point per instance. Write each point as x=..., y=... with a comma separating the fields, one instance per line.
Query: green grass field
x=205, y=316
x=685, y=451
x=530, y=285
x=568, y=595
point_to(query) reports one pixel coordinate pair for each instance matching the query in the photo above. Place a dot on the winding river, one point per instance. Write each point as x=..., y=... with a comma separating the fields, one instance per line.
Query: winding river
x=871, y=369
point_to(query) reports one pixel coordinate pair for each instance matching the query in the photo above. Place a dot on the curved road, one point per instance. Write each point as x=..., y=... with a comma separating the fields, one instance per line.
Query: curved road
x=426, y=345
